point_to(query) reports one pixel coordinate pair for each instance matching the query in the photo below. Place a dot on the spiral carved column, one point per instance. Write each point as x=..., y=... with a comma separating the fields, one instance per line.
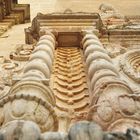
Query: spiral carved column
x=112, y=104
x=31, y=98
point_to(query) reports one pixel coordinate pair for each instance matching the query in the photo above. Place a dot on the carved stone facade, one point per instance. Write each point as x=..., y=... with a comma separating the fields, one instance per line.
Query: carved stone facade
x=71, y=80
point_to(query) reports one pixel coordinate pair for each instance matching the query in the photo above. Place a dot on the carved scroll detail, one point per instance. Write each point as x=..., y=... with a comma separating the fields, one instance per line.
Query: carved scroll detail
x=130, y=63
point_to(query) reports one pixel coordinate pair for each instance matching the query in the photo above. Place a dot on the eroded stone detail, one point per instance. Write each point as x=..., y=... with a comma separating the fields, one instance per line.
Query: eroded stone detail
x=57, y=22
x=130, y=63
x=31, y=98
x=59, y=44
x=111, y=17
x=22, y=53
x=106, y=88
x=30, y=131
x=114, y=49
x=9, y=69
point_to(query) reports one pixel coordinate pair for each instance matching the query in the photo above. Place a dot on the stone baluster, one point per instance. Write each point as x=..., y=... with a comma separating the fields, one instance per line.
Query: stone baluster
x=31, y=98
x=107, y=90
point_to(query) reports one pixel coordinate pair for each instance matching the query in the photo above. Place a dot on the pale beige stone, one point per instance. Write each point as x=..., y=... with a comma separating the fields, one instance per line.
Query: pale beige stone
x=74, y=66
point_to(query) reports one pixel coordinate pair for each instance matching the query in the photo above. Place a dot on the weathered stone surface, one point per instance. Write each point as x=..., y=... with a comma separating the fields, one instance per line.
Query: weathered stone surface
x=86, y=130
x=62, y=21
x=28, y=130
x=31, y=98
x=20, y=130
x=108, y=93
x=79, y=66
x=22, y=52
x=54, y=136
x=130, y=63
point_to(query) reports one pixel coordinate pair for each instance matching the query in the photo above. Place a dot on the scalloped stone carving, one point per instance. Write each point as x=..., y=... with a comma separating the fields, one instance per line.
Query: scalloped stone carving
x=130, y=63
x=70, y=81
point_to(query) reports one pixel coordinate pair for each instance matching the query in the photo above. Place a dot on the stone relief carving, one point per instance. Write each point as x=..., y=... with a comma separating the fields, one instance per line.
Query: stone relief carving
x=130, y=64
x=22, y=53
x=106, y=87
x=30, y=98
x=9, y=69
x=57, y=88
x=114, y=49
x=70, y=86
x=108, y=11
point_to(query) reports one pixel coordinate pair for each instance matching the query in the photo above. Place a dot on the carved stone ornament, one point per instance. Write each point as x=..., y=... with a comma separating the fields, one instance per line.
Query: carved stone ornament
x=130, y=64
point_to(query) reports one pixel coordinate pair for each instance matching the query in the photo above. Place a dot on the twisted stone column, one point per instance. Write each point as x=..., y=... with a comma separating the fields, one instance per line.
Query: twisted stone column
x=111, y=102
x=31, y=98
